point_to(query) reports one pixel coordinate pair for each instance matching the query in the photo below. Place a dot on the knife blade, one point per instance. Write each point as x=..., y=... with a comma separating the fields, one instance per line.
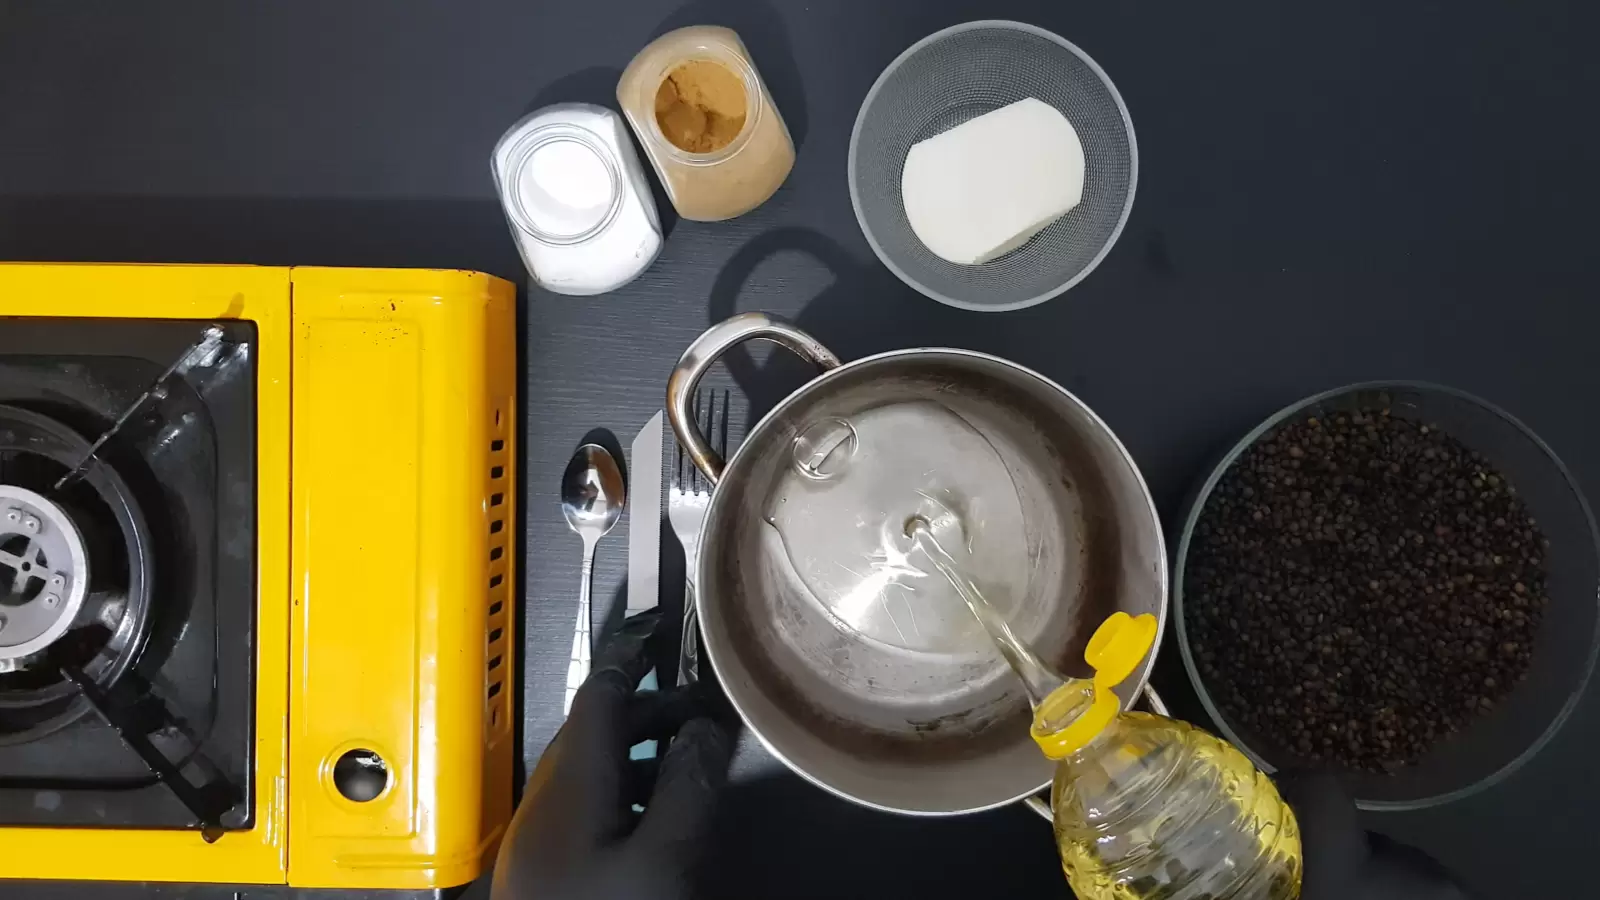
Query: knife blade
x=644, y=528
x=644, y=539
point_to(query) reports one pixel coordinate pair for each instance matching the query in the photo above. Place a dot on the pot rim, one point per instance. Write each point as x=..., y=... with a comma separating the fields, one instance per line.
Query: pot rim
x=719, y=502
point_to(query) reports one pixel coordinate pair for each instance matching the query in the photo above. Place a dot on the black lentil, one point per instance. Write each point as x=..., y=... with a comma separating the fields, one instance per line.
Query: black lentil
x=1360, y=587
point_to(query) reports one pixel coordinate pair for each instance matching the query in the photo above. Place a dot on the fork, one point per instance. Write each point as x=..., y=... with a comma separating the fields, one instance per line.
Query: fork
x=687, y=502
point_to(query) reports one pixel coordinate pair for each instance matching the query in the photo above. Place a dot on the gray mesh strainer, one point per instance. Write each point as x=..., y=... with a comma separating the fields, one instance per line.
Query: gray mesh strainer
x=961, y=73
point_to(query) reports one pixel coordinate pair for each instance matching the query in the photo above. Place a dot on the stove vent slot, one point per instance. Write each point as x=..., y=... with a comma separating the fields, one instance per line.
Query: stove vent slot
x=498, y=589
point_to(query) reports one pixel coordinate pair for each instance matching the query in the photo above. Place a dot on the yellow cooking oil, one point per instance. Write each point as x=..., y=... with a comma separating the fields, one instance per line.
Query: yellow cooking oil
x=1146, y=807
x=1156, y=809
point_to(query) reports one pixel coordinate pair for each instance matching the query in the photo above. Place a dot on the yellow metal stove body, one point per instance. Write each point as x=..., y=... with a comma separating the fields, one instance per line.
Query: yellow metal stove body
x=385, y=504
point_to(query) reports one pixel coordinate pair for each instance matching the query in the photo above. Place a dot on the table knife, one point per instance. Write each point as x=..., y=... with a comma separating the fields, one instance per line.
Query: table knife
x=644, y=538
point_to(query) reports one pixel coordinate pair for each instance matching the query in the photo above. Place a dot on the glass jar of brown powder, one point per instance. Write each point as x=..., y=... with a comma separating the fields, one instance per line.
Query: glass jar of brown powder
x=706, y=122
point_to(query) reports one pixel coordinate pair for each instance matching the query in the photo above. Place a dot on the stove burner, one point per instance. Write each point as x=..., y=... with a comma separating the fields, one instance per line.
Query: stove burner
x=44, y=572
x=75, y=564
x=133, y=710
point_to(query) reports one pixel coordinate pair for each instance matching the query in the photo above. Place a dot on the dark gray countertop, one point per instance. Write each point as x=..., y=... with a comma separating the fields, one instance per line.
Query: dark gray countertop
x=1329, y=193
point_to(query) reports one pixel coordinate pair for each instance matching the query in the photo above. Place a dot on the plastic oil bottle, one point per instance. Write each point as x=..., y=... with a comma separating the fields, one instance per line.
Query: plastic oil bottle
x=1146, y=807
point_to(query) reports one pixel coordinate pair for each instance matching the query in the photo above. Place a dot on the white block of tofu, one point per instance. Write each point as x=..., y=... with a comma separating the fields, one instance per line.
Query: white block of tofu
x=981, y=189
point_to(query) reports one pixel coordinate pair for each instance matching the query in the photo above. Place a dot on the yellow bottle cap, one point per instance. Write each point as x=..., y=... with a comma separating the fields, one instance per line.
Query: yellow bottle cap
x=1118, y=646
x=1114, y=652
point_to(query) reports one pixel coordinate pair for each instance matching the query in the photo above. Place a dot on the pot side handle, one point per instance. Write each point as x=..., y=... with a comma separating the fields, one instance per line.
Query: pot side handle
x=1041, y=805
x=717, y=340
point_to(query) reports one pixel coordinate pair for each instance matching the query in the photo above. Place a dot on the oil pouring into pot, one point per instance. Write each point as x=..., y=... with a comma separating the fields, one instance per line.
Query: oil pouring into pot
x=867, y=532
x=1145, y=806
x=872, y=680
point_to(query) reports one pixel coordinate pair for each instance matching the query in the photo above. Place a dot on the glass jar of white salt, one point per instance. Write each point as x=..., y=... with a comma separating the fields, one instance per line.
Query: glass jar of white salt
x=577, y=200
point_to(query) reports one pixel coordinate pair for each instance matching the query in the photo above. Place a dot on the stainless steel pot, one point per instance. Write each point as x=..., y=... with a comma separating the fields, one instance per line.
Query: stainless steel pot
x=884, y=696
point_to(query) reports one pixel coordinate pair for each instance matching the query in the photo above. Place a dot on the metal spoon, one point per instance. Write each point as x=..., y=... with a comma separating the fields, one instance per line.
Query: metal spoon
x=592, y=497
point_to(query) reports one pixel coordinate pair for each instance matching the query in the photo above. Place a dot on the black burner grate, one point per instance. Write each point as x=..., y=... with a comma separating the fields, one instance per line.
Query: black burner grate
x=179, y=684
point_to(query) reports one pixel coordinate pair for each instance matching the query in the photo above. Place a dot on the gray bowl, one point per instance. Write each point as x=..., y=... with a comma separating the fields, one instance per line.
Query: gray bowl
x=1565, y=650
x=958, y=74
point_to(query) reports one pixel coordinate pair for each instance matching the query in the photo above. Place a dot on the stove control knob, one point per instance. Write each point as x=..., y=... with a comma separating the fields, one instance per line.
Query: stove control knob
x=361, y=776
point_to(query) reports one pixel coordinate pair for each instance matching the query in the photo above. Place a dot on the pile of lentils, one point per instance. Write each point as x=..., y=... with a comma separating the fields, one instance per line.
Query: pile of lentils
x=1361, y=586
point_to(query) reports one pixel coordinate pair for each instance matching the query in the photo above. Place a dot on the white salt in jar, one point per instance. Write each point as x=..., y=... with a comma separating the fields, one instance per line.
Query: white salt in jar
x=576, y=197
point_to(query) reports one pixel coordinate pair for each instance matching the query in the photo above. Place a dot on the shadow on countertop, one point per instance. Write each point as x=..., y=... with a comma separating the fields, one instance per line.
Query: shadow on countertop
x=760, y=826
x=596, y=84
x=865, y=310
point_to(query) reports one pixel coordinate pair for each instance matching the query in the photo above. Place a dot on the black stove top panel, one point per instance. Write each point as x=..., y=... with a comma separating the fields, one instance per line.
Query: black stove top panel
x=127, y=573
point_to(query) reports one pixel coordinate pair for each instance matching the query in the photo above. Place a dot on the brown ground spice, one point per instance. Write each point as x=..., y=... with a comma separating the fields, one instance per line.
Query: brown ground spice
x=700, y=106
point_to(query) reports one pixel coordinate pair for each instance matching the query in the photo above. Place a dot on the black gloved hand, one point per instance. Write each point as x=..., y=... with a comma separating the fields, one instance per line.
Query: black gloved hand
x=575, y=836
x=1345, y=862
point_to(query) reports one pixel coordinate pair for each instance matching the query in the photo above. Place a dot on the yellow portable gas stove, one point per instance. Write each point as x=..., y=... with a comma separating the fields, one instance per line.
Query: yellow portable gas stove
x=256, y=568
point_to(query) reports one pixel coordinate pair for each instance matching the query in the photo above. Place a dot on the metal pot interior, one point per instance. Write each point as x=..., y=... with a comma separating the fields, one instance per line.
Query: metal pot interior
x=888, y=700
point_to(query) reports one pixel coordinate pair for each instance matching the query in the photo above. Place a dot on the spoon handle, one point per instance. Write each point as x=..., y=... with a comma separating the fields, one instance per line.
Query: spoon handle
x=578, y=667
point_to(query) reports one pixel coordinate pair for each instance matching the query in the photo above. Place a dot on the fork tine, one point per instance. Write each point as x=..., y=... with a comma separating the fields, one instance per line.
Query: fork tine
x=710, y=401
x=694, y=470
x=714, y=426
x=710, y=423
x=720, y=441
x=711, y=420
